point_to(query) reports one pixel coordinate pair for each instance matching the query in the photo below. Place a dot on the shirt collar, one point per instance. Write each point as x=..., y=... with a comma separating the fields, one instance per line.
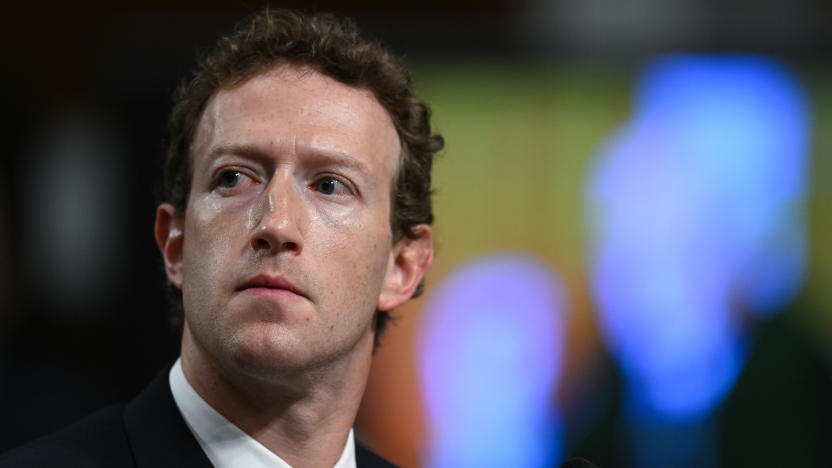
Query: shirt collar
x=225, y=444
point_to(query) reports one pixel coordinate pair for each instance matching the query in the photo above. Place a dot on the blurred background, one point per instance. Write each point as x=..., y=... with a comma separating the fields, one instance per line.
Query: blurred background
x=633, y=210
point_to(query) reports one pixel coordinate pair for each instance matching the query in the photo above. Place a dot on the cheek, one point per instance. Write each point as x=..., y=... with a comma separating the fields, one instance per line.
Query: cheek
x=355, y=261
x=331, y=216
x=207, y=245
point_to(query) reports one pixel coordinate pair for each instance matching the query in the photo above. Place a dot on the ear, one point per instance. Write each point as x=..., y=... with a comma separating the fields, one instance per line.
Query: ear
x=169, y=230
x=409, y=261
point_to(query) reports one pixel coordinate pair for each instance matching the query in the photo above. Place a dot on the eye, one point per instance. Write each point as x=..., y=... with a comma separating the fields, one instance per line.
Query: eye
x=330, y=186
x=326, y=185
x=229, y=179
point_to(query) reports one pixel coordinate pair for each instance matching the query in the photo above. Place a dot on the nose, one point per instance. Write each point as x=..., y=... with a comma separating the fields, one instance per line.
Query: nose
x=279, y=219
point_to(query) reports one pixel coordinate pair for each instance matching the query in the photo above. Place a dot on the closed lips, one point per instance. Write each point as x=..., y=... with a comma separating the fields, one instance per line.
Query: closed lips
x=270, y=282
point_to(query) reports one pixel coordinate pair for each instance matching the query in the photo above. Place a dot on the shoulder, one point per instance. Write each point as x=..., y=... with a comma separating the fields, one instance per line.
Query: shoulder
x=96, y=441
x=367, y=459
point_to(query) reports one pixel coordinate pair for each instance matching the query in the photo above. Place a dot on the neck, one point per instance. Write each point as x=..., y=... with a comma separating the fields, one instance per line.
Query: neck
x=303, y=416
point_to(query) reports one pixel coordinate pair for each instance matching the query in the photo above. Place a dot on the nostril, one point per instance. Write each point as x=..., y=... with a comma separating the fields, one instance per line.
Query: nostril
x=290, y=246
x=260, y=244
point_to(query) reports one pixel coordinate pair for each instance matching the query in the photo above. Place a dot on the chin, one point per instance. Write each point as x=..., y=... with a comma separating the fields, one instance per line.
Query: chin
x=274, y=354
x=266, y=349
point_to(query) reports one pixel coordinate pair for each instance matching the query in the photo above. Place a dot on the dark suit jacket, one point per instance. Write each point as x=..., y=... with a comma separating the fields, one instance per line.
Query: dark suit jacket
x=148, y=432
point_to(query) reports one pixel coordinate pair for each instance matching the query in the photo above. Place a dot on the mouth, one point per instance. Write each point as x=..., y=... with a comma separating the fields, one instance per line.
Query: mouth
x=265, y=285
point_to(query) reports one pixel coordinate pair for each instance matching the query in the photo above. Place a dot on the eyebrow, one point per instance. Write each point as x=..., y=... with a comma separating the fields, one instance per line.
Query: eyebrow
x=248, y=151
x=317, y=156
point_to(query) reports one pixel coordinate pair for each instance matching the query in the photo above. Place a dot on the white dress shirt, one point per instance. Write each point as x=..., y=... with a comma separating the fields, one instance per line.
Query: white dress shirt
x=225, y=444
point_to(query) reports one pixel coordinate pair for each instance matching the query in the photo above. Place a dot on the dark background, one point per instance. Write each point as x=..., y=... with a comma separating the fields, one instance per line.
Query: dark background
x=84, y=323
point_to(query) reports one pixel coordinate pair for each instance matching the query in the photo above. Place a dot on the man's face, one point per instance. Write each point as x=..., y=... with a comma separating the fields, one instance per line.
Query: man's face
x=286, y=247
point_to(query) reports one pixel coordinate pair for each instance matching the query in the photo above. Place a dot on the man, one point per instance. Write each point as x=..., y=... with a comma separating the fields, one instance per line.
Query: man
x=296, y=215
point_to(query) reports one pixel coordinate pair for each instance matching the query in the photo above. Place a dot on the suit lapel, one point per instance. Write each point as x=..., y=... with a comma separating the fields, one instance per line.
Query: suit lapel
x=159, y=438
x=367, y=459
x=156, y=431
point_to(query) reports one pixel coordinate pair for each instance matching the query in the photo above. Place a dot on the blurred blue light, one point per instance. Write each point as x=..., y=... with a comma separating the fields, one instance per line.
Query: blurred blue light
x=697, y=211
x=490, y=351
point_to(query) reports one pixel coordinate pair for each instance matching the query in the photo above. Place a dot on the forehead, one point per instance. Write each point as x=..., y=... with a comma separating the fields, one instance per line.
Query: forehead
x=290, y=110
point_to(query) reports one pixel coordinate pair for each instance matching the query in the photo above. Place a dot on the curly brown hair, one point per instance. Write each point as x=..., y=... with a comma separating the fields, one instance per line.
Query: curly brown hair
x=332, y=46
